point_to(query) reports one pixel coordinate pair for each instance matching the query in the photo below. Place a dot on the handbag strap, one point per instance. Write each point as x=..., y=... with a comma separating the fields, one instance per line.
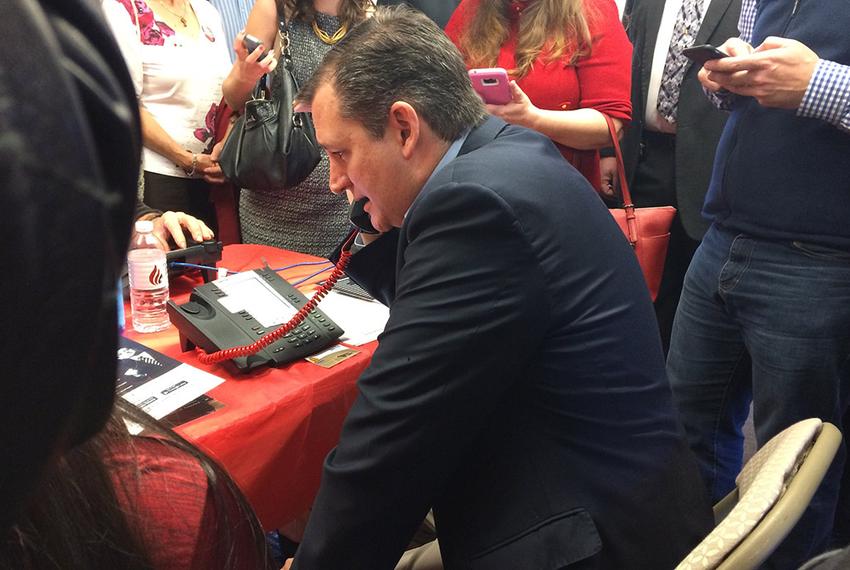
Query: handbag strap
x=283, y=39
x=281, y=50
x=621, y=168
x=628, y=206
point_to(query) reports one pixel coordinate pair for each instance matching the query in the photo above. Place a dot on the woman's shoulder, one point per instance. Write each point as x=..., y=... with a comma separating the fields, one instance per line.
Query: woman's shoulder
x=153, y=461
x=464, y=12
x=602, y=15
x=164, y=489
x=129, y=10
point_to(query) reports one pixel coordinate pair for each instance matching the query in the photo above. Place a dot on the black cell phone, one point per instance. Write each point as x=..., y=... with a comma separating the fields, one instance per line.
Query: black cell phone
x=251, y=43
x=702, y=53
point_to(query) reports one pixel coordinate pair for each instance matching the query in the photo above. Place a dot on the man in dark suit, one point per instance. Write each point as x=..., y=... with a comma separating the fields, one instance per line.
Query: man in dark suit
x=519, y=387
x=669, y=162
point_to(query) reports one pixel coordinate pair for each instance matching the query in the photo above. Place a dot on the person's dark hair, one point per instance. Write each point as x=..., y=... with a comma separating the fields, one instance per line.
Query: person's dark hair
x=64, y=241
x=399, y=55
x=77, y=518
x=66, y=230
x=350, y=12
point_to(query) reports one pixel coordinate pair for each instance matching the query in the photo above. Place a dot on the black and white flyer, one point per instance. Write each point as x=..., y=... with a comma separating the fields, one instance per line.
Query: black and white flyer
x=157, y=383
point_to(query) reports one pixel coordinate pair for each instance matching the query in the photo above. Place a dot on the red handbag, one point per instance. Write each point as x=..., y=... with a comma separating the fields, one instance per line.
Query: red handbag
x=647, y=229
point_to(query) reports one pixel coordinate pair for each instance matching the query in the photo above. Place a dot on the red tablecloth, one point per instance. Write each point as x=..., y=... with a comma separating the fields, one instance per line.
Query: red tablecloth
x=277, y=424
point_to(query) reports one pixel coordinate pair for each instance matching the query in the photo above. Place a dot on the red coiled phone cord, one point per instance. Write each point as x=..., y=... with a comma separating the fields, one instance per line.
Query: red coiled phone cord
x=265, y=340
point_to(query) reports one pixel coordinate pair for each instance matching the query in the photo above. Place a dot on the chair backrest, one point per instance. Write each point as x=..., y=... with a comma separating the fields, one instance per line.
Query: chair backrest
x=774, y=489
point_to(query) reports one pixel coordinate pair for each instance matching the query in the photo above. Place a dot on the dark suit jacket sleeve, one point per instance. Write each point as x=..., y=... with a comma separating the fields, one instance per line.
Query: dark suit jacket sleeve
x=470, y=306
x=373, y=267
x=143, y=209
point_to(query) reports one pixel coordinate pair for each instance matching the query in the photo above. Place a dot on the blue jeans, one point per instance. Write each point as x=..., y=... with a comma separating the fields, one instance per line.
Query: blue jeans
x=769, y=323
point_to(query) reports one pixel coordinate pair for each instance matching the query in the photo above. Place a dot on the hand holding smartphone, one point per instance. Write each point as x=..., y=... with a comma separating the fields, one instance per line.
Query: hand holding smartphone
x=251, y=43
x=491, y=84
x=702, y=53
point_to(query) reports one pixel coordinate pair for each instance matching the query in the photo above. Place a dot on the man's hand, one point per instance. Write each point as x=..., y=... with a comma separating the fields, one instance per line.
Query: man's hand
x=610, y=177
x=735, y=47
x=777, y=73
x=171, y=224
x=288, y=564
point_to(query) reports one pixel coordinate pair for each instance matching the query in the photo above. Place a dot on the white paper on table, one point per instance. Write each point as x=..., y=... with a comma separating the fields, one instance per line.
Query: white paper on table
x=361, y=320
x=163, y=394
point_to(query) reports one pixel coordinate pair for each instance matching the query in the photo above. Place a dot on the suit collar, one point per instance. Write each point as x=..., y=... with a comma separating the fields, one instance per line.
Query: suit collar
x=715, y=12
x=482, y=134
x=716, y=9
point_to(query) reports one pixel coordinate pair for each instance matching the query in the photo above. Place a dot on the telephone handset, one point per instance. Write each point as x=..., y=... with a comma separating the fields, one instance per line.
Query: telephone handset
x=239, y=318
x=360, y=217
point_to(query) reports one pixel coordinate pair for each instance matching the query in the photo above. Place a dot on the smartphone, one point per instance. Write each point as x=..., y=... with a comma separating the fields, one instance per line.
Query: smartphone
x=702, y=53
x=251, y=43
x=492, y=84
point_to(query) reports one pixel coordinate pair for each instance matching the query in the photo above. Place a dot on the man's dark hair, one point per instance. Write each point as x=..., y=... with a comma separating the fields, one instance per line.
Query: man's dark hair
x=399, y=55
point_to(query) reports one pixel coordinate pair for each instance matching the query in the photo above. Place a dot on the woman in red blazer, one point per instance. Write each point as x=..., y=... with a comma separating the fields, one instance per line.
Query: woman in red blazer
x=570, y=61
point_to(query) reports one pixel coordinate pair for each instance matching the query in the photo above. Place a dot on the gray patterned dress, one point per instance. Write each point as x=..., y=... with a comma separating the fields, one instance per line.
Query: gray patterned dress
x=307, y=218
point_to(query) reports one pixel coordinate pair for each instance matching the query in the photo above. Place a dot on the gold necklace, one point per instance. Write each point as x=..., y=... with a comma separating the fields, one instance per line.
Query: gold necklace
x=326, y=37
x=181, y=17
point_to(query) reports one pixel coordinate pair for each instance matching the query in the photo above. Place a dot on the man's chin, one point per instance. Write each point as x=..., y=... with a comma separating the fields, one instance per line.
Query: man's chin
x=381, y=224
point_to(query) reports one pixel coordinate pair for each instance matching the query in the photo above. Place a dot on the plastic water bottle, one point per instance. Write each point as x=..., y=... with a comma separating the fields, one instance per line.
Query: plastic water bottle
x=148, y=280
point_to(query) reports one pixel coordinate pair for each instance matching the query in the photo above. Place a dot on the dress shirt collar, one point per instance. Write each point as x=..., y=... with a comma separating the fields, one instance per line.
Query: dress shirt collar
x=451, y=154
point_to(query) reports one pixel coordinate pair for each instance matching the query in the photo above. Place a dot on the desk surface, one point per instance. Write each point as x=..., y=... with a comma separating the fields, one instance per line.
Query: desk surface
x=277, y=424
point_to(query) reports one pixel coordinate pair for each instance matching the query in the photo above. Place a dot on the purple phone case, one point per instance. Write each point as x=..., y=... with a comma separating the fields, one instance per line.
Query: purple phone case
x=492, y=84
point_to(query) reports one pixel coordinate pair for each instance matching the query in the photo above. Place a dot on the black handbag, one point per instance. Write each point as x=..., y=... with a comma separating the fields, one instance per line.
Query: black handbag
x=271, y=147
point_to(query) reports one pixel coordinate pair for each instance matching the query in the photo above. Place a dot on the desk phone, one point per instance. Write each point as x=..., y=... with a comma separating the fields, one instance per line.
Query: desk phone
x=200, y=253
x=241, y=308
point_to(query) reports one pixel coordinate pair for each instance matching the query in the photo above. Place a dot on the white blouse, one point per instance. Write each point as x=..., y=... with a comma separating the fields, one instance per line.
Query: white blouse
x=177, y=78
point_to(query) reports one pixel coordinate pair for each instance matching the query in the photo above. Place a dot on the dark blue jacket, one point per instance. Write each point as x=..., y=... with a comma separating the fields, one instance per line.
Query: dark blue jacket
x=777, y=175
x=518, y=388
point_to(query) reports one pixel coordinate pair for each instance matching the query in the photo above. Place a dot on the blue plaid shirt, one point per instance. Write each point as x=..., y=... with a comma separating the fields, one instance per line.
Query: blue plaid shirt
x=828, y=95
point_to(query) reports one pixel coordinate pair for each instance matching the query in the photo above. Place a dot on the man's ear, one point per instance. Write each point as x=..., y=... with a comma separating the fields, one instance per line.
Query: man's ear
x=404, y=126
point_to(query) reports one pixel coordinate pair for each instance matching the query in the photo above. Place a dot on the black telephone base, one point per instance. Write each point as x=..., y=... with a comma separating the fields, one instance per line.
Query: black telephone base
x=204, y=322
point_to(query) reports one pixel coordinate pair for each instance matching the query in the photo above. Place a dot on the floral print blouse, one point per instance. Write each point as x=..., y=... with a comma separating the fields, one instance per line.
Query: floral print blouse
x=177, y=77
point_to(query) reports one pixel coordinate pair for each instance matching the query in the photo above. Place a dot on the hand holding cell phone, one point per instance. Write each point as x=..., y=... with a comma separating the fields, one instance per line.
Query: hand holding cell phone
x=702, y=53
x=251, y=43
x=492, y=85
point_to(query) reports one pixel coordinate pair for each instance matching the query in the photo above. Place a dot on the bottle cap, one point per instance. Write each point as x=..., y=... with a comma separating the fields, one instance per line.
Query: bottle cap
x=144, y=226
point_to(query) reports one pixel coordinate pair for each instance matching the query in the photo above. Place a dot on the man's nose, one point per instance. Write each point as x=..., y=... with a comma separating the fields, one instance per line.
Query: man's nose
x=339, y=181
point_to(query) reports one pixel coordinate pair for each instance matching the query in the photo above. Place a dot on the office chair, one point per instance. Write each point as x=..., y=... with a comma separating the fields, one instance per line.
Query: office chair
x=773, y=489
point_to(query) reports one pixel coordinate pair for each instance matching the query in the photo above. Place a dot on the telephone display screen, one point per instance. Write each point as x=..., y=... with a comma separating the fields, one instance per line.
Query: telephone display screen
x=248, y=292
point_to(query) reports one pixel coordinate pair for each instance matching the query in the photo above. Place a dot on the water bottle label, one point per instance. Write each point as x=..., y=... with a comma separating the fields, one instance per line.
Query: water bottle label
x=146, y=275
